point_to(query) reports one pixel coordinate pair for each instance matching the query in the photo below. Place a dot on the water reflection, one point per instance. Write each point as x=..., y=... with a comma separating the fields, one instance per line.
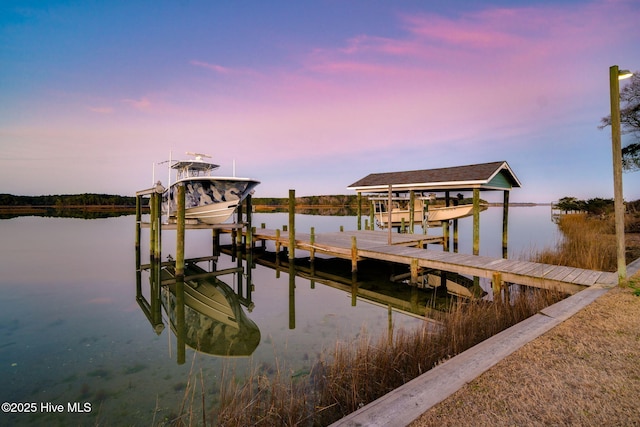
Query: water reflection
x=384, y=284
x=89, y=212
x=204, y=313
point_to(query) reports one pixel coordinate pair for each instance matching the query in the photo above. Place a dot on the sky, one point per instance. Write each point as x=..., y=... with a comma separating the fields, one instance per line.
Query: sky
x=311, y=95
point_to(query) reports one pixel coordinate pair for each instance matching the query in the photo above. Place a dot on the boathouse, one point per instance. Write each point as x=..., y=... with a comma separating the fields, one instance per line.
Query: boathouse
x=493, y=176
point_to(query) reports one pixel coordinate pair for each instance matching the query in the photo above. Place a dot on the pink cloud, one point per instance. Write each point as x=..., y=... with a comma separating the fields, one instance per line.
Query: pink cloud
x=214, y=67
x=477, y=32
x=141, y=104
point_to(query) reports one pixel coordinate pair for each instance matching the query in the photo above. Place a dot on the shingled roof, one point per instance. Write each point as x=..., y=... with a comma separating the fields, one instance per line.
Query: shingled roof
x=485, y=176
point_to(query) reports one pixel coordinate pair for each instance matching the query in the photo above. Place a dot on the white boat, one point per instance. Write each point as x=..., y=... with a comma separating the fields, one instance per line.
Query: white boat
x=434, y=215
x=447, y=213
x=209, y=199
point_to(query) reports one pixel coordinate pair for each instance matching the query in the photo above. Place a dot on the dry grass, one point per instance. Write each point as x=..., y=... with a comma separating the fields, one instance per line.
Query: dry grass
x=587, y=242
x=353, y=374
x=583, y=372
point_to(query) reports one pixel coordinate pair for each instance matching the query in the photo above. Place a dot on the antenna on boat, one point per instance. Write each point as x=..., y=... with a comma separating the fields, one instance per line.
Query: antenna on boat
x=169, y=179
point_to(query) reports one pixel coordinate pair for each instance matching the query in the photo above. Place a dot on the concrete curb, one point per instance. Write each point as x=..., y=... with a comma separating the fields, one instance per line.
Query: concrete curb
x=406, y=403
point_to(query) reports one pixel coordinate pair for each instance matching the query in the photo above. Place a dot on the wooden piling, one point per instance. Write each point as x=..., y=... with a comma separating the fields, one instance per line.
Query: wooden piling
x=239, y=221
x=292, y=295
x=152, y=226
x=215, y=249
x=292, y=233
x=505, y=224
x=249, y=228
x=389, y=204
x=312, y=251
x=158, y=250
x=496, y=285
x=137, y=246
x=455, y=235
x=180, y=322
x=476, y=221
x=372, y=211
x=180, y=233
x=179, y=275
x=354, y=270
x=359, y=212
x=412, y=213
x=354, y=254
x=445, y=225
x=414, y=271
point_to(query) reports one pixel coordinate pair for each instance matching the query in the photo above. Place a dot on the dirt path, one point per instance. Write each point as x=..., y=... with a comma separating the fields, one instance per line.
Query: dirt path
x=584, y=372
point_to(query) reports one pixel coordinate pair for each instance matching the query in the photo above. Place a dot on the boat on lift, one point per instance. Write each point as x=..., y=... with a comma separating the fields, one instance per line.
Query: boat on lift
x=433, y=215
x=208, y=198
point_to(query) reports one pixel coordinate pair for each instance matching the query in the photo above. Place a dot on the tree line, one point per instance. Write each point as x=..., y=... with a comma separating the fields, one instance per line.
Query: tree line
x=595, y=206
x=61, y=200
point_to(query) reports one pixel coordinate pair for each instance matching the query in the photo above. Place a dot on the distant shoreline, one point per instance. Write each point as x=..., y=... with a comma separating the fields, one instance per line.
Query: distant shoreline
x=259, y=207
x=89, y=208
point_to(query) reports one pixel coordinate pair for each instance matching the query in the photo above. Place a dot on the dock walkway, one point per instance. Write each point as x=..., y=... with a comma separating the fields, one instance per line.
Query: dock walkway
x=408, y=249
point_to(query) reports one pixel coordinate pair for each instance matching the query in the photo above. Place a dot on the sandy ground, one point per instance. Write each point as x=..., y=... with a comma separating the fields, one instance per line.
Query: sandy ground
x=585, y=372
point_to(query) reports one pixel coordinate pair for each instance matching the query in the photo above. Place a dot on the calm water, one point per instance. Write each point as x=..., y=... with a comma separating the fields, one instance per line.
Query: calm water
x=72, y=332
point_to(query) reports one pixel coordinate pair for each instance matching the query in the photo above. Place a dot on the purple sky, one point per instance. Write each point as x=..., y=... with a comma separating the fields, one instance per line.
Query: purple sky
x=310, y=95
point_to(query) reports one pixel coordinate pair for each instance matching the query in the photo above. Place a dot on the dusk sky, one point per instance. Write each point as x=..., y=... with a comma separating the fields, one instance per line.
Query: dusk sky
x=311, y=95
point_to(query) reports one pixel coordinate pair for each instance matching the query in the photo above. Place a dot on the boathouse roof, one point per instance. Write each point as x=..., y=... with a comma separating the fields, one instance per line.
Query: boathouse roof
x=484, y=176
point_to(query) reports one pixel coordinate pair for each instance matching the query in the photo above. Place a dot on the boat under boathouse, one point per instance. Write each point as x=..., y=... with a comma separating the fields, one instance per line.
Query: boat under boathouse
x=422, y=185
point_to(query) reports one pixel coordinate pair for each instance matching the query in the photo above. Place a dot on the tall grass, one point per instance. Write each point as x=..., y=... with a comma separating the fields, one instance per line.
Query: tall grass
x=352, y=374
x=587, y=242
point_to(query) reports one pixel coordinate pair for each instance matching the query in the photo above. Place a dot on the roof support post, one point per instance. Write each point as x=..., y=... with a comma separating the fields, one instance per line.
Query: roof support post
x=505, y=224
x=389, y=215
x=476, y=221
x=412, y=209
x=359, y=211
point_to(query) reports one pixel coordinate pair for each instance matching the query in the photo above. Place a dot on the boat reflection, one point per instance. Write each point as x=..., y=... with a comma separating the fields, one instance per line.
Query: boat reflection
x=204, y=313
x=215, y=322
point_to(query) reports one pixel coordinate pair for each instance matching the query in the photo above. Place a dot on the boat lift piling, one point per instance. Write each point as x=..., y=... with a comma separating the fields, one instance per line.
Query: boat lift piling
x=179, y=289
x=151, y=309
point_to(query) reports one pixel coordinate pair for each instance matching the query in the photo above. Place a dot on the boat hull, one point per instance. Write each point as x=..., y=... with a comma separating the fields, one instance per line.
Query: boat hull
x=211, y=200
x=447, y=213
x=434, y=215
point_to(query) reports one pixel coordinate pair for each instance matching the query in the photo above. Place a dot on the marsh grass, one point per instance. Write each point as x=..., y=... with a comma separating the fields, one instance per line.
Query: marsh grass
x=587, y=242
x=352, y=374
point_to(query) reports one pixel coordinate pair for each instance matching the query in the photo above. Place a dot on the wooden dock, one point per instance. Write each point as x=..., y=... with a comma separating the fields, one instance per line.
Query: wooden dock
x=409, y=249
x=339, y=244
